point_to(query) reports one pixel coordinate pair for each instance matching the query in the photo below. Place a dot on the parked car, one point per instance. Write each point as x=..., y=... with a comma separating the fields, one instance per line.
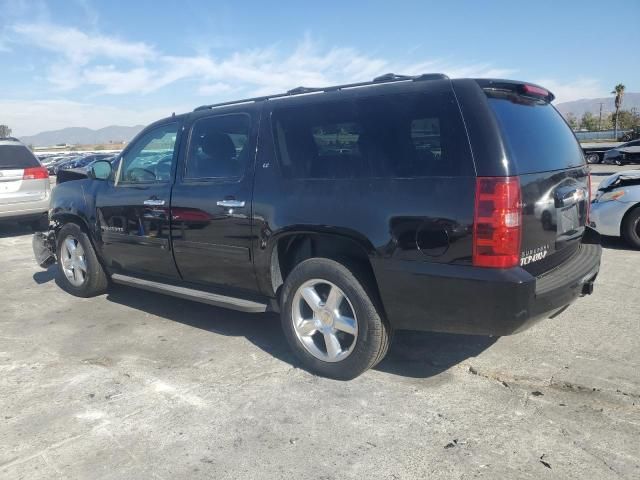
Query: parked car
x=24, y=185
x=67, y=162
x=404, y=203
x=616, y=209
x=82, y=161
x=623, y=154
x=52, y=162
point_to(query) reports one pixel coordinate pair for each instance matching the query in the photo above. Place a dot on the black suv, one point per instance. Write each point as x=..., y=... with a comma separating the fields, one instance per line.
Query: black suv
x=418, y=203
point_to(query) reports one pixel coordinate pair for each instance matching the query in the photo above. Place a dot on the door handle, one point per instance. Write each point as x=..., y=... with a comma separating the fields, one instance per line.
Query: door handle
x=154, y=202
x=230, y=203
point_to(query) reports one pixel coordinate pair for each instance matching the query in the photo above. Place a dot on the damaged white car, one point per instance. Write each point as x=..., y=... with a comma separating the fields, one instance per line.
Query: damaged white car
x=615, y=211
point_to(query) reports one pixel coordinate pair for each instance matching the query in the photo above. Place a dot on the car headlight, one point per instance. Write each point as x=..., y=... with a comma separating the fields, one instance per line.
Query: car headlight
x=608, y=196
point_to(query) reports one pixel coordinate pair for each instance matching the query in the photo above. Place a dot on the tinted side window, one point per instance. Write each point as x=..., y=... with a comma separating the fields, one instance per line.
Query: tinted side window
x=150, y=158
x=537, y=137
x=17, y=156
x=219, y=147
x=407, y=135
x=319, y=141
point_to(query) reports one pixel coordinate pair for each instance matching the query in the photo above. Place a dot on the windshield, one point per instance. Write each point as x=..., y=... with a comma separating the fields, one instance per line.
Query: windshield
x=537, y=137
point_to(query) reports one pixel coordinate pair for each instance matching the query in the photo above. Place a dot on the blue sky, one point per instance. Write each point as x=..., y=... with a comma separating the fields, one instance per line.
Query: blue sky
x=96, y=63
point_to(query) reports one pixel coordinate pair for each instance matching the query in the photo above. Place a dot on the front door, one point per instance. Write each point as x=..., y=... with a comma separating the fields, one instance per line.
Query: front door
x=133, y=210
x=211, y=201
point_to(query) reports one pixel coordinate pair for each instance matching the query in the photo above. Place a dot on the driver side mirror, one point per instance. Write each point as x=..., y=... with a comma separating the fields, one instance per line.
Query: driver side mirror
x=101, y=170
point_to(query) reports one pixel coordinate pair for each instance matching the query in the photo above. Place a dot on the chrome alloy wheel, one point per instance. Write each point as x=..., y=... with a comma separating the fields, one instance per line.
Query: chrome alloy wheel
x=324, y=320
x=72, y=259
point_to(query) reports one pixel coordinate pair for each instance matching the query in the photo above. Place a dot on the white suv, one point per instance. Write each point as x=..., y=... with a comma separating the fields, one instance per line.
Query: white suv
x=24, y=185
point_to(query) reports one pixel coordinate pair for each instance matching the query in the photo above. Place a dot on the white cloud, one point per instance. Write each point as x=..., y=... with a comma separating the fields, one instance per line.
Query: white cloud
x=106, y=65
x=117, y=67
x=576, y=90
x=79, y=47
x=215, y=88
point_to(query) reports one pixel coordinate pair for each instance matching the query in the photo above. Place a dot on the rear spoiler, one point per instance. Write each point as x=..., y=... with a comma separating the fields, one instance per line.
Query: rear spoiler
x=520, y=88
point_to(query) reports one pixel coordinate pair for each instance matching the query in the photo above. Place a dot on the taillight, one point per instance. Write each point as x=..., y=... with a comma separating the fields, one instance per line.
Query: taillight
x=35, y=173
x=534, y=90
x=497, y=226
x=588, y=197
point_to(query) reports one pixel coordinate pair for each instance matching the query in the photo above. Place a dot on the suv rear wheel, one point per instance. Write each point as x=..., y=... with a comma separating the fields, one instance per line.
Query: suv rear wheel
x=330, y=320
x=80, y=272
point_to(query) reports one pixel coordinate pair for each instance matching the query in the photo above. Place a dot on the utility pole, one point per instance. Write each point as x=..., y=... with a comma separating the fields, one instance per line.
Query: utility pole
x=600, y=118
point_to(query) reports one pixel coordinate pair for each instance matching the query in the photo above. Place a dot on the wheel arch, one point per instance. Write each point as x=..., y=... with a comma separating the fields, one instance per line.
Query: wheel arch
x=290, y=248
x=63, y=218
x=629, y=211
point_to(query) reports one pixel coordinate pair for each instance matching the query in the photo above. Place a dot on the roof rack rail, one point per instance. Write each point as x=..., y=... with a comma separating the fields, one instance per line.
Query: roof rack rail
x=386, y=78
x=10, y=139
x=391, y=77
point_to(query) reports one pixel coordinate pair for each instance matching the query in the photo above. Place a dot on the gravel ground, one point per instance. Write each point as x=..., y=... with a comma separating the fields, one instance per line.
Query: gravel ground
x=137, y=385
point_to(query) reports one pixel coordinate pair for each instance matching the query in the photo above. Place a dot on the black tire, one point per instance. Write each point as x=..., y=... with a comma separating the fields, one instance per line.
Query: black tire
x=95, y=281
x=631, y=228
x=618, y=162
x=593, y=158
x=374, y=335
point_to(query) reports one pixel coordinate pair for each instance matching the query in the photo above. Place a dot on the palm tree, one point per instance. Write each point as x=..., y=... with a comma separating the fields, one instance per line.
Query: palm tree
x=618, y=91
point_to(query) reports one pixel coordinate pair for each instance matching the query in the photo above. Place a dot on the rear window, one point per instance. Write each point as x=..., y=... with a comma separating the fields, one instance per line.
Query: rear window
x=397, y=136
x=17, y=156
x=537, y=137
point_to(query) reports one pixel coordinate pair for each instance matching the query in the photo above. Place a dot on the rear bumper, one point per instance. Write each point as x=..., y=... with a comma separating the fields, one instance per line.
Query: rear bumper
x=460, y=299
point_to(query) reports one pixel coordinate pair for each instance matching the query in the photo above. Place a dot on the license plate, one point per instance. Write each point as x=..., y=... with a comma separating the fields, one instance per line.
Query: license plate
x=568, y=219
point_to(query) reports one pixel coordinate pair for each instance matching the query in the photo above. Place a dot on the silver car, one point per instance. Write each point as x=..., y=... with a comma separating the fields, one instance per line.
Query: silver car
x=615, y=211
x=24, y=185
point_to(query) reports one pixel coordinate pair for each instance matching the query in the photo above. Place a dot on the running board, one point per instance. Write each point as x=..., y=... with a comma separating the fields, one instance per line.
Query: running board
x=191, y=294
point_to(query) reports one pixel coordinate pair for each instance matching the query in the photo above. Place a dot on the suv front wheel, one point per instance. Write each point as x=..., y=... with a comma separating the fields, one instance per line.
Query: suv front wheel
x=79, y=270
x=330, y=320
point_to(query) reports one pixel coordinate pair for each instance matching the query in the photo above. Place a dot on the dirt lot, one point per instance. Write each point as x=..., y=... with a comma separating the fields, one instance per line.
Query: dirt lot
x=137, y=385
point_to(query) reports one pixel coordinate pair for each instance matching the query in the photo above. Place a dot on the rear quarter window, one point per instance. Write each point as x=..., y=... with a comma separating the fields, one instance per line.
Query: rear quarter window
x=537, y=137
x=17, y=156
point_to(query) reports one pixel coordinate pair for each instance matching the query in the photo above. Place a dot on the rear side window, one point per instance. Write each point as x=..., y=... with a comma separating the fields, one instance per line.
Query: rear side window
x=17, y=156
x=397, y=136
x=537, y=137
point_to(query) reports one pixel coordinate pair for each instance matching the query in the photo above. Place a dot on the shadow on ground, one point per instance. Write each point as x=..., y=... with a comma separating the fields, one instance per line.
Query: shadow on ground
x=44, y=276
x=615, y=243
x=412, y=354
x=12, y=229
x=426, y=354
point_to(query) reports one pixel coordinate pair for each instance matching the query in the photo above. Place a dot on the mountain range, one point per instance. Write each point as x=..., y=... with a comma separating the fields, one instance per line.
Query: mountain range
x=83, y=136
x=579, y=107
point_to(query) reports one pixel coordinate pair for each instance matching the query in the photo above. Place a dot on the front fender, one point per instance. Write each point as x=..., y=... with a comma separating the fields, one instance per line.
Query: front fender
x=74, y=201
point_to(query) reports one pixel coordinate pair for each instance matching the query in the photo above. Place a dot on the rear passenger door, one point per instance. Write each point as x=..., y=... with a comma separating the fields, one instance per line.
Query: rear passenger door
x=211, y=200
